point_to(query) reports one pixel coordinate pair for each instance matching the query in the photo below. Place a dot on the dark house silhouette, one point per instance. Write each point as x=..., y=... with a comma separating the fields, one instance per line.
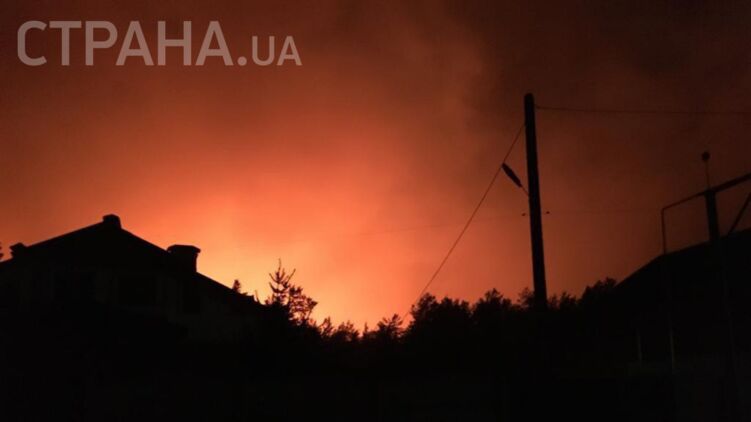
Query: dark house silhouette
x=694, y=295
x=678, y=331
x=106, y=267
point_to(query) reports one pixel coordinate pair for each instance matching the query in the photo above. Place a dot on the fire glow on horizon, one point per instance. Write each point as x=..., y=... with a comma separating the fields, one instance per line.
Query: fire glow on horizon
x=359, y=167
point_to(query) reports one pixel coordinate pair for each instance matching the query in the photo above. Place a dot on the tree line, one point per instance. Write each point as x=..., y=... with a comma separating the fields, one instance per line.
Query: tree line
x=494, y=330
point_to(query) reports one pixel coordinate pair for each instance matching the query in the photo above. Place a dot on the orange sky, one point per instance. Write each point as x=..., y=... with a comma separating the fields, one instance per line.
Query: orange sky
x=360, y=167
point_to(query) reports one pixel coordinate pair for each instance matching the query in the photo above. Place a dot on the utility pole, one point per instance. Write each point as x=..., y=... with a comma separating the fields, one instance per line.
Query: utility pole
x=535, y=213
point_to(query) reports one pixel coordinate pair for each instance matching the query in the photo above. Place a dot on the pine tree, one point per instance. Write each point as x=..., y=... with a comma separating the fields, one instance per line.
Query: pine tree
x=289, y=297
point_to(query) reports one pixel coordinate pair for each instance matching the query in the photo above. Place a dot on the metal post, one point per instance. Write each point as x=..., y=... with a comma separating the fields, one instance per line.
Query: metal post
x=710, y=199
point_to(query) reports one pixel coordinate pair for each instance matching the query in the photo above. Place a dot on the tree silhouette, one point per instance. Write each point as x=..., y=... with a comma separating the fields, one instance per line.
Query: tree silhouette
x=491, y=305
x=387, y=330
x=597, y=292
x=342, y=334
x=289, y=297
x=446, y=323
x=346, y=332
x=526, y=298
x=565, y=302
x=237, y=287
x=492, y=312
x=326, y=328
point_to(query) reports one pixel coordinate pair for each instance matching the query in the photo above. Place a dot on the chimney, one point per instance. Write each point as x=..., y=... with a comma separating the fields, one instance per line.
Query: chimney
x=186, y=255
x=17, y=250
x=111, y=220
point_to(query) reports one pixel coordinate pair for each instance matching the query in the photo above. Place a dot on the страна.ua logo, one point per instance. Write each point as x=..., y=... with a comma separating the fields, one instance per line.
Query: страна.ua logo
x=101, y=35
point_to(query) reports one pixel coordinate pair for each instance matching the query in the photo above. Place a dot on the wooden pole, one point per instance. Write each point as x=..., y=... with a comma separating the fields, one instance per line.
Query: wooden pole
x=535, y=213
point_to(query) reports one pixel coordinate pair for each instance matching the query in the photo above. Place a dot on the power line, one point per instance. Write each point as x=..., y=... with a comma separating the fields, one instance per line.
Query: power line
x=604, y=211
x=425, y=226
x=511, y=148
x=469, y=221
x=644, y=111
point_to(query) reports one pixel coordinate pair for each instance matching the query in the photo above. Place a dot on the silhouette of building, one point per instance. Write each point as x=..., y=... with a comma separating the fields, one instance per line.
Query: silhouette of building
x=683, y=318
x=104, y=266
x=694, y=295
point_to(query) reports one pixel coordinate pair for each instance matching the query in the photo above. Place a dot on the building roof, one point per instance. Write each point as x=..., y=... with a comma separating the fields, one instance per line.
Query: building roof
x=107, y=244
x=694, y=264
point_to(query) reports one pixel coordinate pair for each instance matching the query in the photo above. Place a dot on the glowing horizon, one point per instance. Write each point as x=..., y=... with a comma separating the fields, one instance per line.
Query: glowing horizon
x=359, y=167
